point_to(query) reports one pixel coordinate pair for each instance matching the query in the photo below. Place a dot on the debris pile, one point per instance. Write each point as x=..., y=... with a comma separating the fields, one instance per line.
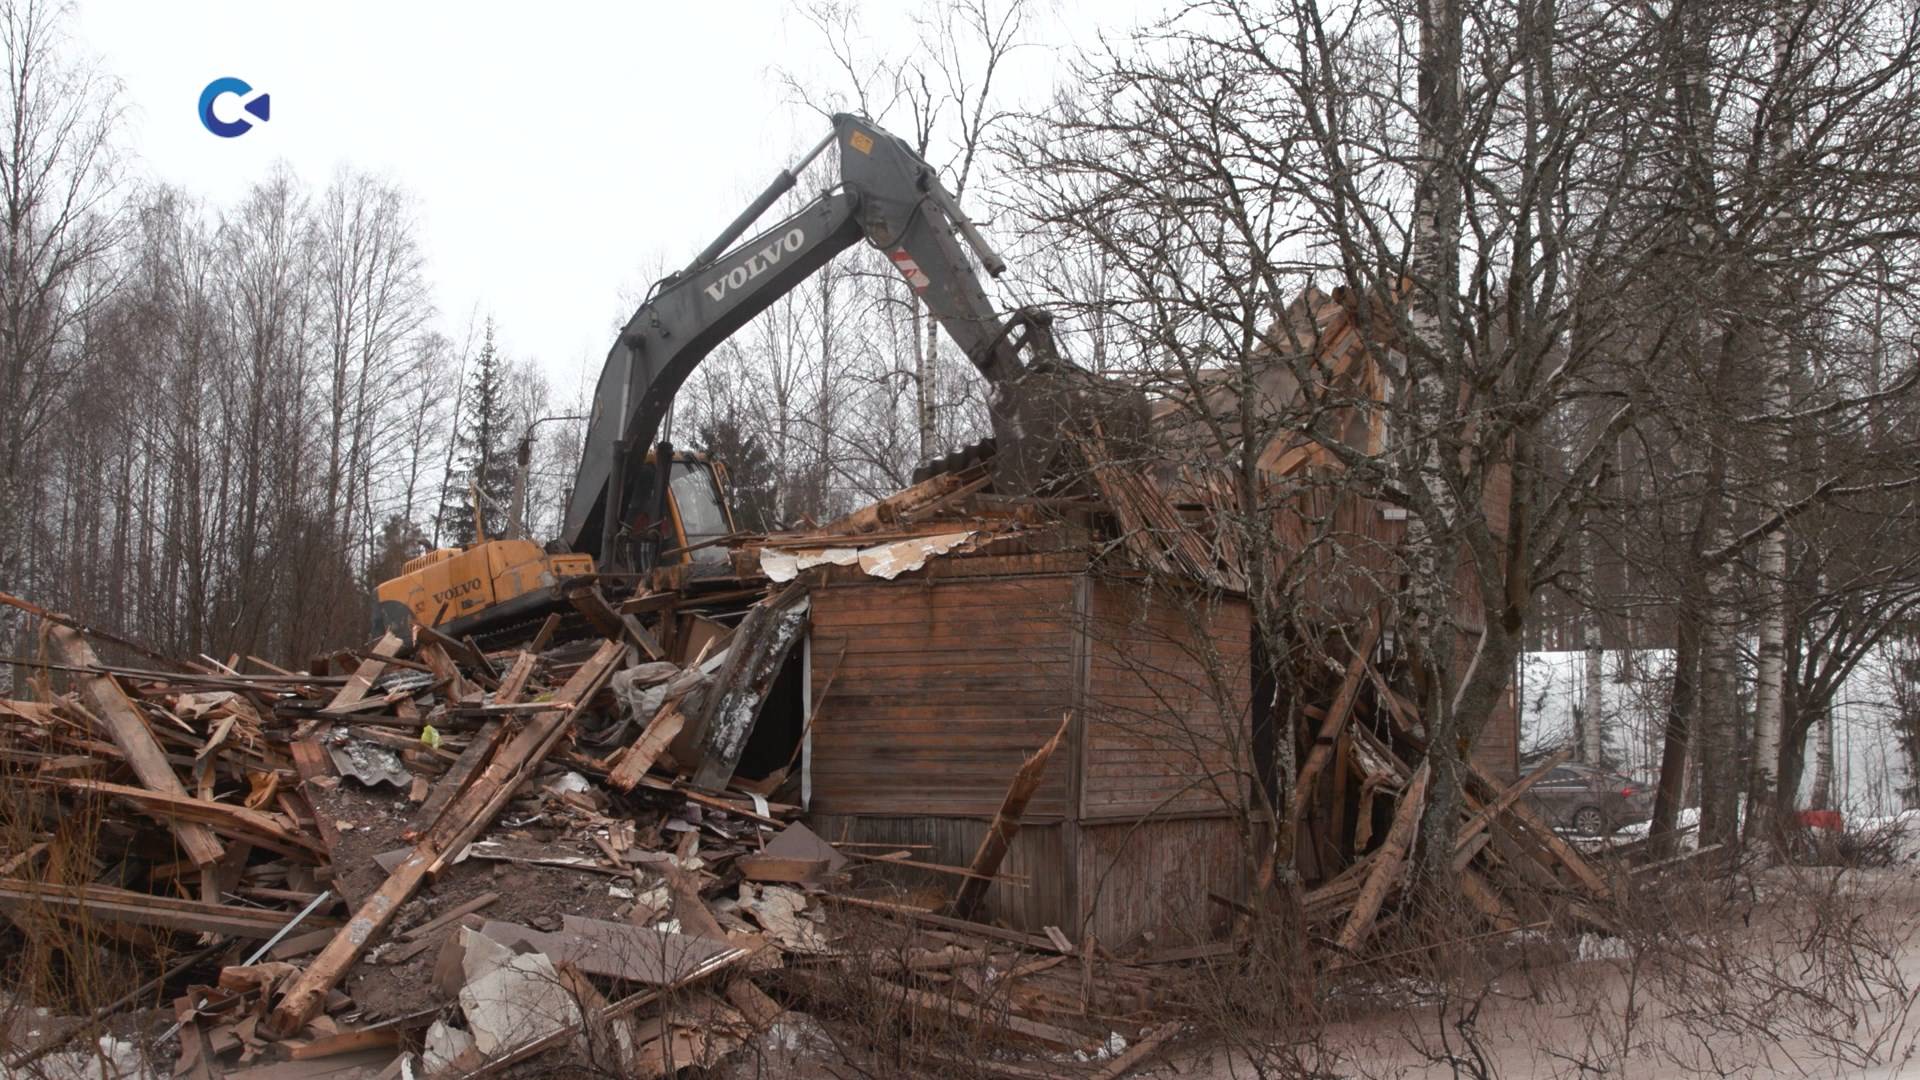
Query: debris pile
x=462, y=860
x=1512, y=868
x=440, y=858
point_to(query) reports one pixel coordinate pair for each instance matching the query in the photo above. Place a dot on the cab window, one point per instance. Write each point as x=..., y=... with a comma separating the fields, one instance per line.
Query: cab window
x=698, y=499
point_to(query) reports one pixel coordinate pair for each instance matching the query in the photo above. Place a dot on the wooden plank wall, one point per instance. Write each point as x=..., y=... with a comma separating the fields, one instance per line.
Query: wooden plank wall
x=1040, y=859
x=944, y=689
x=1156, y=876
x=1166, y=721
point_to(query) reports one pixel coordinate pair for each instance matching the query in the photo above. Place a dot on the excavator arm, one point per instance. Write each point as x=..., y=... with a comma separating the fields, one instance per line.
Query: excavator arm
x=890, y=198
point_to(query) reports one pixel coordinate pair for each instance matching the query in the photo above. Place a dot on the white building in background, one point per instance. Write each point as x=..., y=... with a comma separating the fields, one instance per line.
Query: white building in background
x=1869, y=771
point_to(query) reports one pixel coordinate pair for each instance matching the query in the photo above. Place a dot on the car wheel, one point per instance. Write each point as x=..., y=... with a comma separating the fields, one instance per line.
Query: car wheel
x=1589, y=821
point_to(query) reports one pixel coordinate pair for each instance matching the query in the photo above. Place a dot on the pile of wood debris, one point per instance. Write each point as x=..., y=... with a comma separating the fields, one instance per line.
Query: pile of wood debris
x=1511, y=866
x=427, y=865
x=429, y=858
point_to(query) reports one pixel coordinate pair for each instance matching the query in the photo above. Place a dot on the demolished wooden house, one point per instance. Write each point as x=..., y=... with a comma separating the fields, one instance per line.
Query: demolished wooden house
x=1026, y=738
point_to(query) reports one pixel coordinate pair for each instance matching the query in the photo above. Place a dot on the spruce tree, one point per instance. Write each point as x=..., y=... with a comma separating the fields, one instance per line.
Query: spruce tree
x=483, y=453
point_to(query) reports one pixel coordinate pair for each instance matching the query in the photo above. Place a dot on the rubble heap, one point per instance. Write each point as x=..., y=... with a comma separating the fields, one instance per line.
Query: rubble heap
x=471, y=859
x=442, y=859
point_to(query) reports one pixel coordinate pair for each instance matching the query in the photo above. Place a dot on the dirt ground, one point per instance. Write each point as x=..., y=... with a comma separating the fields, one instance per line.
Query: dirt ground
x=1803, y=973
x=530, y=895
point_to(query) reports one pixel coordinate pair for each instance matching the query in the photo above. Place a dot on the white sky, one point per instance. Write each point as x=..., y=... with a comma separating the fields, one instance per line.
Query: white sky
x=557, y=152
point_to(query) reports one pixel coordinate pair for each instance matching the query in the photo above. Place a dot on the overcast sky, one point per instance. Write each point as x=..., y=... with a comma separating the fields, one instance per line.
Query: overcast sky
x=557, y=152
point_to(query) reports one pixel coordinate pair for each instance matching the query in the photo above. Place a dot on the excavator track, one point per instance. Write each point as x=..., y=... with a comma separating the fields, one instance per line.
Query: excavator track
x=573, y=625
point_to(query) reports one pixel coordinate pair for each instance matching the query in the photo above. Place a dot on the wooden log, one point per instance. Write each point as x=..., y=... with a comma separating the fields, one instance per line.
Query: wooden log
x=1385, y=864
x=129, y=731
x=361, y=681
x=463, y=819
x=1006, y=825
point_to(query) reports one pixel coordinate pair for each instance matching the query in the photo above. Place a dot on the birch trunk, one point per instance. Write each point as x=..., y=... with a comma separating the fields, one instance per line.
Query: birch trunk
x=1432, y=388
x=1763, y=814
x=1720, y=772
x=1821, y=798
x=1593, y=740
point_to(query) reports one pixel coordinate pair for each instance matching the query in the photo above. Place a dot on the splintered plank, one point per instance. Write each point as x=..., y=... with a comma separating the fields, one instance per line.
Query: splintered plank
x=464, y=818
x=104, y=904
x=633, y=764
x=129, y=731
x=1006, y=824
x=448, y=787
x=589, y=601
x=363, y=677
x=477, y=751
x=1541, y=833
x=238, y=822
x=1384, y=864
x=1323, y=743
x=1499, y=806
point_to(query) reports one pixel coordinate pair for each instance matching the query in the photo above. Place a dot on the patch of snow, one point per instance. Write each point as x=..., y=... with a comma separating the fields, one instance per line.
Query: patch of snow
x=1597, y=947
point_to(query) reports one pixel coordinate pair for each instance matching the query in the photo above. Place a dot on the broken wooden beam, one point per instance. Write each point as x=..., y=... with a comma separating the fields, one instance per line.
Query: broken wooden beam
x=104, y=904
x=1494, y=809
x=1006, y=825
x=1322, y=750
x=1386, y=862
x=589, y=601
x=129, y=731
x=363, y=677
x=646, y=749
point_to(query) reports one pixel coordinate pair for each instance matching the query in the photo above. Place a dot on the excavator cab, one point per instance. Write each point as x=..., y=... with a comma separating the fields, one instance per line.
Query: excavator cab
x=696, y=515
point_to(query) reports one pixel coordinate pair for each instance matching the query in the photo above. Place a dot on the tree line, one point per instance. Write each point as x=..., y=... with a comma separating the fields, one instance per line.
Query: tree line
x=222, y=423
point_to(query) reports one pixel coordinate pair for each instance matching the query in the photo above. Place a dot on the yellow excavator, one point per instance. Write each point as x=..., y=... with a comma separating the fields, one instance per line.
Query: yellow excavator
x=500, y=582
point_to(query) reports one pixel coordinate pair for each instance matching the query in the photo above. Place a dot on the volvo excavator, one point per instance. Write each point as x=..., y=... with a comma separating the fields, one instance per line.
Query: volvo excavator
x=636, y=504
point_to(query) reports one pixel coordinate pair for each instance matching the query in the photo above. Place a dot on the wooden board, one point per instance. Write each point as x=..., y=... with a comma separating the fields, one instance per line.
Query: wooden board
x=129, y=731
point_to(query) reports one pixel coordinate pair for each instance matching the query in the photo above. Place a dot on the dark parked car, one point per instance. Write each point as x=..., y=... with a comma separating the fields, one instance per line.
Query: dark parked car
x=1590, y=801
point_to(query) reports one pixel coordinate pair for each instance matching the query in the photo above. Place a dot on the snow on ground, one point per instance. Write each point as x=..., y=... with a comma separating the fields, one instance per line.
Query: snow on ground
x=1811, y=973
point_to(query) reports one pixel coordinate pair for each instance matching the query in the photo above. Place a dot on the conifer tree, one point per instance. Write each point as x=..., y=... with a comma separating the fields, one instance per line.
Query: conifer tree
x=484, y=453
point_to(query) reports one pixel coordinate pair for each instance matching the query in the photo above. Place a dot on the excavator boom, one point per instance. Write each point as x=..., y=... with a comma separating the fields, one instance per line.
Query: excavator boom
x=889, y=197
